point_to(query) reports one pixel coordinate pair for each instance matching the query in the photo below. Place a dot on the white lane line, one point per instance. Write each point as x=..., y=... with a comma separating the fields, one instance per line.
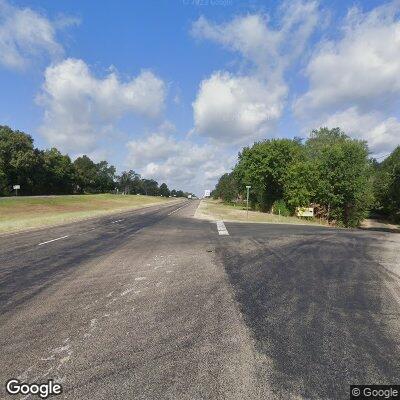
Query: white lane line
x=222, y=228
x=53, y=240
x=177, y=209
x=118, y=220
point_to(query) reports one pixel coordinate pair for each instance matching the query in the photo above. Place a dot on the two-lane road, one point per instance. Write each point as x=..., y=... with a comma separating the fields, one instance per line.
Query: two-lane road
x=155, y=304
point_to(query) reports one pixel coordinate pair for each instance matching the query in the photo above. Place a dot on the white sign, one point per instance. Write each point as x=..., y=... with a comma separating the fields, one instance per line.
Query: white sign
x=305, y=211
x=207, y=193
x=15, y=187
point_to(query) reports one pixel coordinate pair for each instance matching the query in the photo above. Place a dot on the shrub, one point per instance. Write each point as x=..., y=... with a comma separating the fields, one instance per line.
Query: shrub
x=280, y=208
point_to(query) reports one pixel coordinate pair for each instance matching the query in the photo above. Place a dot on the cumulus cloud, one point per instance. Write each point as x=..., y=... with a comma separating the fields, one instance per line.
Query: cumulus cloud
x=362, y=67
x=229, y=108
x=267, y=48
x=181, y=163
x=382, y=133
x=81, y=108
x=25, y=34
x=245, y=106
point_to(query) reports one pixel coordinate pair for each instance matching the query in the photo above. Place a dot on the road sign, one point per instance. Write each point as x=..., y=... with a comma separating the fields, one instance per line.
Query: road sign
x=305, y=211
x=15, y=187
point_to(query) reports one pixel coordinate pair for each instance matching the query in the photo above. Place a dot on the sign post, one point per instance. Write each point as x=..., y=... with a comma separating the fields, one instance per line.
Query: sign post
x=247, y=205
x=16, y=187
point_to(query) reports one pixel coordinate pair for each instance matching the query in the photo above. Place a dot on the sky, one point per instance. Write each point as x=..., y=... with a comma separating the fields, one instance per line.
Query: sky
x=175, y=89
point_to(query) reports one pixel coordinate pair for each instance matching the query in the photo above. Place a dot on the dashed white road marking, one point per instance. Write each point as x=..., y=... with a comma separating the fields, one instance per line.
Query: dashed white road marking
x=172, y=212
x=222, y=228
x=125, y=292
x=53, y=240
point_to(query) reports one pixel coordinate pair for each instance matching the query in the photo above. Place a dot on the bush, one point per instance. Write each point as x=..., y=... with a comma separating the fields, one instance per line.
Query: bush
x=280, y=208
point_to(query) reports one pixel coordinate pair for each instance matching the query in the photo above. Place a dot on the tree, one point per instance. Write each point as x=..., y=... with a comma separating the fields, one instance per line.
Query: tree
x=264, y=167
x=59, y=172
x=129, y=182
x=85, y=174
x=150, y=187
x=301, y=183
x=343, y=184
x=105, y=177
x=164, y=191
x=226, y=188
x=387, y=186
x=19, y=161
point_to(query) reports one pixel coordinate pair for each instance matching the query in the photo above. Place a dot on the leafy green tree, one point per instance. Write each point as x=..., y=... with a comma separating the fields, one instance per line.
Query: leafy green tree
x=129, y=182
x=59, y=172
x=164, y=191
x=343, y=169
x=264, y=167
x=150, y=187
x=301, y=181
x=105, y=177
x=18, y=160
x=85, y=174
x=387, y=186
x=226, y=188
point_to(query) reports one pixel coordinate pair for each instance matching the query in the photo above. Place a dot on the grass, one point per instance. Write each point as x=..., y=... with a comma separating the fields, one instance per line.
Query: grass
x=217, y=210
x=22, y=213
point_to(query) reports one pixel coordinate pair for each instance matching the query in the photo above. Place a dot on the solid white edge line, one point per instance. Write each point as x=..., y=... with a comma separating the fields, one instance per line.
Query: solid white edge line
x=53, y=240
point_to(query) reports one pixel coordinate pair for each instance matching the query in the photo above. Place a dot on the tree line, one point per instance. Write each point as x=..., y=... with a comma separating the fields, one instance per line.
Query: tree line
x=329, y=171
x=42, y=172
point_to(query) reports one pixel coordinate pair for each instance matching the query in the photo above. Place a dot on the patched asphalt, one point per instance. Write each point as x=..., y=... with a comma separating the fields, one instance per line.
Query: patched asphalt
x=154, y=304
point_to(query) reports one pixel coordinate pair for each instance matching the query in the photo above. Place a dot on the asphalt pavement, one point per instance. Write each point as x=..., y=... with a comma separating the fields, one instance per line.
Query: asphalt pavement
x=155, y=304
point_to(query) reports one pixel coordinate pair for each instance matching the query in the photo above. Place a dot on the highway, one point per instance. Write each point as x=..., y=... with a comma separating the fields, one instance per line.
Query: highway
x=155, y=304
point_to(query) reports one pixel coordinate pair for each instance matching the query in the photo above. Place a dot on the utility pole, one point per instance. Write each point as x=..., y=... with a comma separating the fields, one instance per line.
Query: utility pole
x=247, y=205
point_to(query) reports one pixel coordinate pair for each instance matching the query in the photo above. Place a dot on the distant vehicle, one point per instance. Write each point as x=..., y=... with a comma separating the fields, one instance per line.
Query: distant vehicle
x=189, y=196
x=207, y=193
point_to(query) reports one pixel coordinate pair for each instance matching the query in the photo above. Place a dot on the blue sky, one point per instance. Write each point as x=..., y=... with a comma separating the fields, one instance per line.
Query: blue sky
x=174, y=89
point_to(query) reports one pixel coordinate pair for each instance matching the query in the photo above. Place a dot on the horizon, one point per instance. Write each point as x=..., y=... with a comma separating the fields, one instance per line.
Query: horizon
x=175, y=90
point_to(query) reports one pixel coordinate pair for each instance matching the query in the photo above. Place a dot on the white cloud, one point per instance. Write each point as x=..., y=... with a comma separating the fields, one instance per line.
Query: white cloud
x=181, y=163
x=242, y=107
x=382, y=134
x=80, y=108
x=25, y=34
x=362, y=67
x=229, y=108
x=252, y=36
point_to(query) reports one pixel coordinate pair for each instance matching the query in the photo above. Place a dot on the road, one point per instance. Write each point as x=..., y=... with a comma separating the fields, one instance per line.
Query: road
x=155, y=304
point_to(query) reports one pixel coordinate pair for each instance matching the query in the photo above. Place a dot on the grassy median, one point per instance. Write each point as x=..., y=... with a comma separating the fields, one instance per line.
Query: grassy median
x=217, y=210
x=20, y=213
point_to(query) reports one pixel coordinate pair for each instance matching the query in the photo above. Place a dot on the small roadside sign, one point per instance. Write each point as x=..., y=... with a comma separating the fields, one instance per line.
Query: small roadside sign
x=305, y=211
x=16, y=187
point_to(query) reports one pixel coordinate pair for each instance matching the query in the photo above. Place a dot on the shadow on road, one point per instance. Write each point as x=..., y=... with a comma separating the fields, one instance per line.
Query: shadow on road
x=318, y=308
